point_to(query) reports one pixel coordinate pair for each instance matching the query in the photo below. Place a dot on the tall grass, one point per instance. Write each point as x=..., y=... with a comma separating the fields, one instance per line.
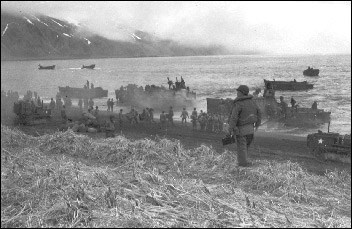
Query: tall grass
x=69, y=180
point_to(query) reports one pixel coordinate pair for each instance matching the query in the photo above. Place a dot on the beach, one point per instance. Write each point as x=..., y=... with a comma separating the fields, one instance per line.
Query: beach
x=266, y=145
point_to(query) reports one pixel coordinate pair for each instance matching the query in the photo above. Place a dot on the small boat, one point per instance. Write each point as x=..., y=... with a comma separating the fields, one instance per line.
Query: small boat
x=74, y=92
x=311, y=72
x=40, y=67
x=92, y=66
x=287, y=85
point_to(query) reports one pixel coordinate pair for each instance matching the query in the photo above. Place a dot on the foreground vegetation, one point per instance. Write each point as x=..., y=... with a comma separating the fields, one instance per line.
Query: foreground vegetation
x=70, y=180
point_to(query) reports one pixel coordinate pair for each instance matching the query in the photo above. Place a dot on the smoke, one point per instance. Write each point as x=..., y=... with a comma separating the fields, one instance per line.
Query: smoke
x=269, y=27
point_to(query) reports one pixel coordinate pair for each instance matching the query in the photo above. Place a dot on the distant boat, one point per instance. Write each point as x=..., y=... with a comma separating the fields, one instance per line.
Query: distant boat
x=311, y=72
x=74, y=92
x=287, y=85
x=92, y=66
x=52, y=67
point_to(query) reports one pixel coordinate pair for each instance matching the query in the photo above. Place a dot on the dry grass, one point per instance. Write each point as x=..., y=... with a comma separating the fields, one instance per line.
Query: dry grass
x=70, y=180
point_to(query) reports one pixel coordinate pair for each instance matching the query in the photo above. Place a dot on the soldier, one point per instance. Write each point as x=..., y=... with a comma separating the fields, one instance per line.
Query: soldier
x=85, y=103
x=110, y=127
x=112, y=105
x=315, y=105
x=120, y=119
x=184, y=116
x=151, y=115
x=80, y=103
x=171, y=116
x=63, y=114
x=283, y=107
x=216, y=123
x=202, y=121
x=210, y=123
x=163, y=120
x=108, y=104
x=194, y=117
x=245, y=115
x=293, y=102
x=91, y=102
x=52, y=104
x=169, y=82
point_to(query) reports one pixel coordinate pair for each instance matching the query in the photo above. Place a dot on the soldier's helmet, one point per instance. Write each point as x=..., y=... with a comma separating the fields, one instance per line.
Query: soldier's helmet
x=244, y=89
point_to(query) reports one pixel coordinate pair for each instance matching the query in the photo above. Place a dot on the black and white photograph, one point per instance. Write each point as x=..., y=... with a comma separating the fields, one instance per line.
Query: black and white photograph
x=186, y=114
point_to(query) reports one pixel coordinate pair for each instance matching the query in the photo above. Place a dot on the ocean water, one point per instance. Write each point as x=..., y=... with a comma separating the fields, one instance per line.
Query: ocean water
x=208, y=76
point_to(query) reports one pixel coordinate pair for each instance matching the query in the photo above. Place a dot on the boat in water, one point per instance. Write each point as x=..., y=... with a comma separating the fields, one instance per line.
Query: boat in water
x=288, y=85
x=311, y=72
x=92, y=66
x=40, y=67
x=80, y=93
x=157, y=97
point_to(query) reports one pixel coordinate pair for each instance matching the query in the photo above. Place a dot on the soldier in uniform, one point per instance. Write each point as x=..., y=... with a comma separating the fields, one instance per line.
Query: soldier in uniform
x=283, y=107
x=184, y=116
x=315, y=105
x=245, y=115
x=194, y=117
x=110, y=127
x=163, y=120
x=171, y=116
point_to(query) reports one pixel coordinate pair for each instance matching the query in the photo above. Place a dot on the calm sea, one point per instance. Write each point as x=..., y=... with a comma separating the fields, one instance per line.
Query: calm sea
x=208, y=76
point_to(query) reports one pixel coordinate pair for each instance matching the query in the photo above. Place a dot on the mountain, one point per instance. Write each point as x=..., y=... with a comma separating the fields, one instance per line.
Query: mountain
x=43, y=37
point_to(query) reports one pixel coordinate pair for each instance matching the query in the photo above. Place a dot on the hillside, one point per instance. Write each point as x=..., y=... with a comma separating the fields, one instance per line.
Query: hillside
x=43, y=37
x=68, y=180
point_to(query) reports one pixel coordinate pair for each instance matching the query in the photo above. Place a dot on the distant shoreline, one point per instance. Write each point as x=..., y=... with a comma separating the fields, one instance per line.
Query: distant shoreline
x=131, y=57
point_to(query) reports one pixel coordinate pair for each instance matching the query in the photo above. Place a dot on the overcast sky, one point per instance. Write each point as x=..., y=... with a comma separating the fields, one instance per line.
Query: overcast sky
x=270, y=27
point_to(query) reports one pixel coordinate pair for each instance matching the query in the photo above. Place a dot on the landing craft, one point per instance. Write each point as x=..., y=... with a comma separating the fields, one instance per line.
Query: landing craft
x=40, y=67
x=288, y=85
x=92, y=66
x=158, y=98
x=269, y=107
x=79, y=93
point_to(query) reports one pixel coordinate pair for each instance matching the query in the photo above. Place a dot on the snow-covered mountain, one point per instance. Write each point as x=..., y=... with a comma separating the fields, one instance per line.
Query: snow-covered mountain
x=42, y=37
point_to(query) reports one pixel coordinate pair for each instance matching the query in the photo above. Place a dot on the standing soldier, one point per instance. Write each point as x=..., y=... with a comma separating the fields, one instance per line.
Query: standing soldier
x=63, y=114
x=184, y=116
x=210, y=122
x=283, y=107
x=91, y=102
x=151, y=115
x=52, y=104
x=80, y=103
x=112, y=105
x=120, y=119
x=163, y=120
x=216, y=123
x=245, y=115
x=85, y=103
x=109, y=127
x=108, y=104
x=194, y=118
x=171, y=116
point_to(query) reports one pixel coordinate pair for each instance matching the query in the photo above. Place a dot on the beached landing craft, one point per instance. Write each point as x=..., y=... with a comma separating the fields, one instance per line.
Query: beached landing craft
x=311, y=72
x=92, y=66
x=299, y=117
x=158, y=98
x=330, y=146
x=74, y=92
x=288, y=85
x=40, y=67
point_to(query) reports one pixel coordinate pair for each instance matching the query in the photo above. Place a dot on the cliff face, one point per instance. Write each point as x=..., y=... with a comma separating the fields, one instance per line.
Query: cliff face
x=43, y=37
